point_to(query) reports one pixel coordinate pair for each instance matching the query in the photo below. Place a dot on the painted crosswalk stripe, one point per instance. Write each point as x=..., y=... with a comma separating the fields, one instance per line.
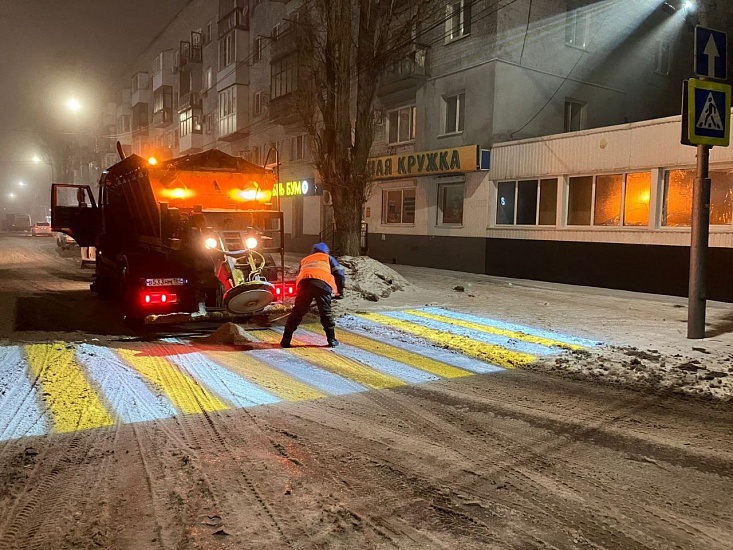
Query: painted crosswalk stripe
x=380, y=351
x=477, y=335
x=562, y=338
x=493, y=353
x=381, y=362
x=73, y=402
x=340, y=365
x=223, y=382
x=499, y=332
x=265, y=376
x=186, y=394
x=377, y=333
x=20, y=414
x=124, y=388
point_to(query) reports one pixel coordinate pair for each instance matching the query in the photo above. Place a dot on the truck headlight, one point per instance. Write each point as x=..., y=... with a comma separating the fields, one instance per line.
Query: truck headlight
x=251, y=242
x=211, y=242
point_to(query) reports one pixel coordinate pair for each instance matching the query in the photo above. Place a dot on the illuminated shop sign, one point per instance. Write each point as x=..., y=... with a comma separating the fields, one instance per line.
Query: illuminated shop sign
x=468, y=158
x=297, y=188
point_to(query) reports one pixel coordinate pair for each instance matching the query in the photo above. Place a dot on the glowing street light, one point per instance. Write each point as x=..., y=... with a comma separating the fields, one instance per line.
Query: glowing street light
x=11, y=195
x=36, y=158
x=21, y=184
x=73, y=104
x=689, y=5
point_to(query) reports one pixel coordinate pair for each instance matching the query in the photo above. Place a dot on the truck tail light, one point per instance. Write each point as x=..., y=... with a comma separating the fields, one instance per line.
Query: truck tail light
x=151, y=298
x=285, y=290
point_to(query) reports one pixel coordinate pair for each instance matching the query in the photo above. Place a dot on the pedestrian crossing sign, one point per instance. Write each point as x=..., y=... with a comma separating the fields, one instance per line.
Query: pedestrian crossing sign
x=708, y=113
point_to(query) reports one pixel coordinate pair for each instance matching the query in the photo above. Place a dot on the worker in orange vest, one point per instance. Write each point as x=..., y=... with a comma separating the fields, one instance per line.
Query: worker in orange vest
x=320, y=274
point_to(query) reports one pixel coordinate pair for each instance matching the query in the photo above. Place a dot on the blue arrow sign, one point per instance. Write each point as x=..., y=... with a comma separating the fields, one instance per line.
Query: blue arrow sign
x=711, y=53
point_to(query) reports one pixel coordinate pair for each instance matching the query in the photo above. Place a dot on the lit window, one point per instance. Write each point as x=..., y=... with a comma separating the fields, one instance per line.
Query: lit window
x=401, y=125
x=258, y=47
x=677, y=206
x=227, y=50
x=457, y=19
x=609, y=200
x=450, y=203
x=454, y=107
x=526, y=202
x=228, y=111
x=576, y=28
x=398, y=206
x=257, y=107
x=574, y=115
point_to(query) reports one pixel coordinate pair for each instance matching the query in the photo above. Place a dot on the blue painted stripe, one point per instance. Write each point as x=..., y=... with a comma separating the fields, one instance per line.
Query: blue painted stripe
x=406, y=373
x=122, y=387
x=408, y=342
x=493, y=339
x=224, y=383
x=564, y=338
x=20, y=412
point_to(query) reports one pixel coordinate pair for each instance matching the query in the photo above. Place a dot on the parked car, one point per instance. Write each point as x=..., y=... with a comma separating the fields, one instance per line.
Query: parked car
x=41, y=229
x=64, y=241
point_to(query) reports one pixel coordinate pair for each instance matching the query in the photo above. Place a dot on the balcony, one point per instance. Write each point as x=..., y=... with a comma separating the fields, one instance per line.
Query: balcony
x=190, y=143
x=407, y=73
x=238, y=18
x=190, y=52
x=282, y=110
x=286, y=42
x=163, y=118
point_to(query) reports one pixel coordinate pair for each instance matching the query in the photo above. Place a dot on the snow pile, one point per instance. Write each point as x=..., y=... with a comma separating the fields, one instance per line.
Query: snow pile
x=644, y=370
x=370, y=279
x=228, y=334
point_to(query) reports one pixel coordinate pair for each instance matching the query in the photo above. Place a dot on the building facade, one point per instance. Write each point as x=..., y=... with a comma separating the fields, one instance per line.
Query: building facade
x=480, y=81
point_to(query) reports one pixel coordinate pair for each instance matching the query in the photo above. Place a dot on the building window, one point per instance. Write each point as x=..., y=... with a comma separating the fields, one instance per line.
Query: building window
x=677, y=205
x=609, y=200
x=450, y=203
x=257, y=106
x=188, y=123
x=663, y=59
x=228, y=111
x=162, y=99
x=124, y=124
x=283, y=76
x=457, y=19
x=576, y=28
x=401, y=125
x=398, y=206
x=158, y=63
x=208, y=80
x=209, y=124
x=207, y=33
x=275, y=32
x=257, y=49
x=574, y=115
x=527, y=202
x=297, y=147
x=454, y=109
x=227, y=50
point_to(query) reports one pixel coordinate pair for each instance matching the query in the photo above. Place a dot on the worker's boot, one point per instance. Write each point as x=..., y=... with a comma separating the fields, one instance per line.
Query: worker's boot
x=331, y=337
x=287, y=337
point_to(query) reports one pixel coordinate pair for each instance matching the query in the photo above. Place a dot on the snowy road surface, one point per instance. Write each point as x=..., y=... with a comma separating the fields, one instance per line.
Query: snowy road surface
x=433, y=425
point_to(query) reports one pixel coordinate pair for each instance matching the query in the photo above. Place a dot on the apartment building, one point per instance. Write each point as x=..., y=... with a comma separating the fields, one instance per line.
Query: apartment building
x=483, y=72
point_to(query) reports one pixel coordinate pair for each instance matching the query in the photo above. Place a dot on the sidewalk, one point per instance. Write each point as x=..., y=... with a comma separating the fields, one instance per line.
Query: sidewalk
x=643, y=336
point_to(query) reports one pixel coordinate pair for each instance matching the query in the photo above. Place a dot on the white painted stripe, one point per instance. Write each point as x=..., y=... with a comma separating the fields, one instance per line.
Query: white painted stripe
x=122, y=387
x=564, y=338
x=20, y=413
x=415, y=344
x=406, y=373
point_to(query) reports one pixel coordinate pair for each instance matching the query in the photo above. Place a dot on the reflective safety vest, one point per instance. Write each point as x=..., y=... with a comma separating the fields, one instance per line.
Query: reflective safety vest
x=316, y=266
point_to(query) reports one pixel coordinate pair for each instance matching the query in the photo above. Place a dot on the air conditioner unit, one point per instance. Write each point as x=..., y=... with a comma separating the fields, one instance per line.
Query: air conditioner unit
x=327, y=198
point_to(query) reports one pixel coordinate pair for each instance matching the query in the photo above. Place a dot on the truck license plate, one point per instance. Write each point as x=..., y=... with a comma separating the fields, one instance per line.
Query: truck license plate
x=165, y=282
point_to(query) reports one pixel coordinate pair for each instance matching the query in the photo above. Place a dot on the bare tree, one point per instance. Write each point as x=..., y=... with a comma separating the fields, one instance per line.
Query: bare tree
x=346, y=44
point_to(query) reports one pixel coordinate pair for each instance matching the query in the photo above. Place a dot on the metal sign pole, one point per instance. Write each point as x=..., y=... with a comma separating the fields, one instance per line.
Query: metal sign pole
x=700, y=232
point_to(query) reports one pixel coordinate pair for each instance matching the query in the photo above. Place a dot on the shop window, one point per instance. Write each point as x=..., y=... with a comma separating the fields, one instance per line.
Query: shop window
x=450, y=203
x=398, y=206
x=526, y=202
x=677, y=206
x=609, y=200
x=401, y=125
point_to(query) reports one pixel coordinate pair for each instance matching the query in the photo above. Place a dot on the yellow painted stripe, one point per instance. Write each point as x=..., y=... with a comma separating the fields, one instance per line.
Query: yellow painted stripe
x=266, y=377
x=495, y=355
x=396, y=354
x=186, y=394
x=335, y=363
x=493, y=330
x=73, y=402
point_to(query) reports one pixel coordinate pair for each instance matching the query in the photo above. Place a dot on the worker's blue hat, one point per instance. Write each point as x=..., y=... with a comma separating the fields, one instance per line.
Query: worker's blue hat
x=321, y=247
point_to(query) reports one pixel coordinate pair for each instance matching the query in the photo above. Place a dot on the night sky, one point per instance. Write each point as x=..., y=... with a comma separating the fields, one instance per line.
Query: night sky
x=52, y=50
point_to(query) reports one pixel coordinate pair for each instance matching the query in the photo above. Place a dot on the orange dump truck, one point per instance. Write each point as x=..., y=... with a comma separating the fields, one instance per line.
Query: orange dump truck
x=196, y=237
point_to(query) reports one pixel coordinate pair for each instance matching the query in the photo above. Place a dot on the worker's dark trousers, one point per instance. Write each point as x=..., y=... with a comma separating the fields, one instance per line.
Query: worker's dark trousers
x=308, y=291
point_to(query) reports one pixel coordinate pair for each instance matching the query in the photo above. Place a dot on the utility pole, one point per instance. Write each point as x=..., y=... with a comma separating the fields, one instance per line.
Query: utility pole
x=700, y=222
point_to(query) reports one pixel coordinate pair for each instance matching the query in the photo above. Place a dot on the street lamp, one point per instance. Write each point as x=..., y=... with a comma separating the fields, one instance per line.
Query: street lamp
x=73, y=104
x=11, y=195
x=21, y=184
x=36, y=158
